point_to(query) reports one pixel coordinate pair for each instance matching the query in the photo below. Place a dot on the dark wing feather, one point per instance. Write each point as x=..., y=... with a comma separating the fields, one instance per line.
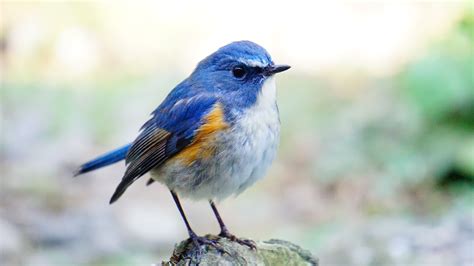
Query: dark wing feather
x=170, y=130
x=149, y=139
x=148, y=151
x=150, y=181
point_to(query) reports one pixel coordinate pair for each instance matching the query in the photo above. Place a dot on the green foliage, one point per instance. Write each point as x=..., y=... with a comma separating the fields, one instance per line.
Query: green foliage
x=440, y=86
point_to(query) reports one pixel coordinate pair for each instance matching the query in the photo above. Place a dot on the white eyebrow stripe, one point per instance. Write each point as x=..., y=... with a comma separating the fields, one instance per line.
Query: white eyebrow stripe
x=252, y=62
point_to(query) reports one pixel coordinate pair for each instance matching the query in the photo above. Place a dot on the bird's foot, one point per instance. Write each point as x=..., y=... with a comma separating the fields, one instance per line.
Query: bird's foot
x=246, y=242
x=202, y=241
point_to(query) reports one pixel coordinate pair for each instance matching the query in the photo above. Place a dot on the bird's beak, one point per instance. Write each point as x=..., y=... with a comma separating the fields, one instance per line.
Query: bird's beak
x=273, y=69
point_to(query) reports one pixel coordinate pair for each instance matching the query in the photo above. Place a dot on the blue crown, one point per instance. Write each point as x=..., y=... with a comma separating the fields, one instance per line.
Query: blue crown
x=245, y=52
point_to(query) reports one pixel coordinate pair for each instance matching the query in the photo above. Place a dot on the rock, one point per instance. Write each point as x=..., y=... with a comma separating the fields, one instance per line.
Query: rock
x=271, y=252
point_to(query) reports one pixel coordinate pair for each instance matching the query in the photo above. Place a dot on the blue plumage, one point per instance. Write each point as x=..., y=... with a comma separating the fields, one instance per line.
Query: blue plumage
x=171, y=128
x=175, y=121
x=104, y=160
x=214, y=135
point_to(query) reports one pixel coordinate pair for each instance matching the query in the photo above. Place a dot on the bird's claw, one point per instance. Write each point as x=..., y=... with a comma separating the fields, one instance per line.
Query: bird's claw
x=200, y=241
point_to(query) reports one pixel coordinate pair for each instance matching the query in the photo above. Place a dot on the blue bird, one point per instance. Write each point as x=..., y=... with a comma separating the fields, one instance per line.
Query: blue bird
x=214, y=135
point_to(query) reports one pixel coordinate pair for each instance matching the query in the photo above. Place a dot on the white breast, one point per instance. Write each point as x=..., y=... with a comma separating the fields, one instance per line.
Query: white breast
x=245, y=153
x=256, y=137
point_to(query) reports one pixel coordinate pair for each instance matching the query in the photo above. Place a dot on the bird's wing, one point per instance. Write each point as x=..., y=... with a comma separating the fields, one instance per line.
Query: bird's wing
x=173, y=128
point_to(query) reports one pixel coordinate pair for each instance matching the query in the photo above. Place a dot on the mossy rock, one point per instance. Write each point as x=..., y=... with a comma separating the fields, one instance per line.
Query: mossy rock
x=271, y=252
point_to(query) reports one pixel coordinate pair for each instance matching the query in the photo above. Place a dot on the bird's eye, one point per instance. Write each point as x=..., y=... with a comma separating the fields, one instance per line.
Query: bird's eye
x=239, y=72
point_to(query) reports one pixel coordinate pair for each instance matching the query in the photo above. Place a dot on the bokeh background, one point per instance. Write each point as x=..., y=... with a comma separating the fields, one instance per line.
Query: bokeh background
x=376, y=165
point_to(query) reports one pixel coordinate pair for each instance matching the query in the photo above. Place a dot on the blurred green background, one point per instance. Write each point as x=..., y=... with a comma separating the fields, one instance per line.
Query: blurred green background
x=376, y=164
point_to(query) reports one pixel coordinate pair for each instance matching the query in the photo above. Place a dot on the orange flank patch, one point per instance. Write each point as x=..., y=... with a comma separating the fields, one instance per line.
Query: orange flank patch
x=203, y=145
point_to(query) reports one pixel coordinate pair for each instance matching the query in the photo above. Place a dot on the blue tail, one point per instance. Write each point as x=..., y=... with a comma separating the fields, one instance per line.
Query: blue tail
x=104, y=160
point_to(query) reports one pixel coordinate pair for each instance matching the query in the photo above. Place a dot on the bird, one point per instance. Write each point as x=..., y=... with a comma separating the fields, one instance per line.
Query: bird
x=214, y=135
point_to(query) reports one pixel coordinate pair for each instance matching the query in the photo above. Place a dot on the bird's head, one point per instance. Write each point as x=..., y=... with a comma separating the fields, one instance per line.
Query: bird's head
x=238, y=69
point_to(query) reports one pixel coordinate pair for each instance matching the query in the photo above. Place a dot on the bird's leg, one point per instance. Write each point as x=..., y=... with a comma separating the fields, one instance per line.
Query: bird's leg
x=225, y=232
x=198, y=241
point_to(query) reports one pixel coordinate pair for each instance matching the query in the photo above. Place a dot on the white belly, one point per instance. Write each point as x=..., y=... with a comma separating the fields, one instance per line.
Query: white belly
x=245, y=153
